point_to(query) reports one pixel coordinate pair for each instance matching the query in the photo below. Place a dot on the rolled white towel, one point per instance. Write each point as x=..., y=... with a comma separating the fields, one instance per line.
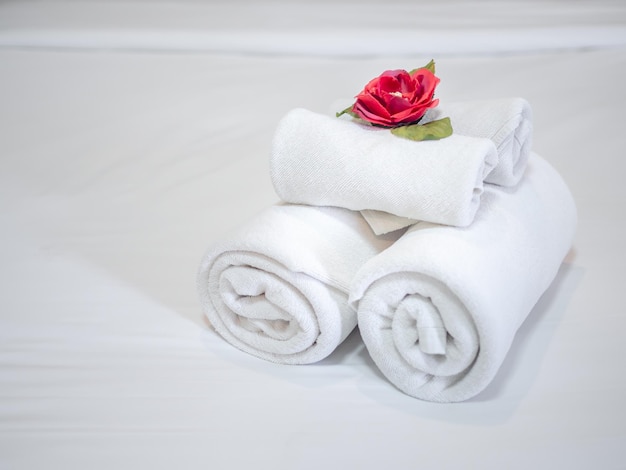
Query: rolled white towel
x=277, y=288
x=439, y=309
x=507, y=122
x=325, y=161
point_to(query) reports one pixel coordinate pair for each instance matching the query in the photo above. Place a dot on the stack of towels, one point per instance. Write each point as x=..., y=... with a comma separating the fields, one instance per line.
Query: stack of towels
x=438, y=250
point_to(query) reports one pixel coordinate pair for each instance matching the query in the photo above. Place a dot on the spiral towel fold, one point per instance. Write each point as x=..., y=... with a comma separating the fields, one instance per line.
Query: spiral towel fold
x=507, y=122
x=439, y=309
x=325, y=161
x=277, y=288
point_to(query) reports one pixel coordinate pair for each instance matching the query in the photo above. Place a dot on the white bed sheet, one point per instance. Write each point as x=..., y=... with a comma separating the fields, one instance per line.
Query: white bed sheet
x=128, y=146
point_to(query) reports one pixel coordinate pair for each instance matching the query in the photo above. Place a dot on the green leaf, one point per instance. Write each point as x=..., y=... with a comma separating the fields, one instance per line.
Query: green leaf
x=429, y=66
x=348, y=111
x=433, y=130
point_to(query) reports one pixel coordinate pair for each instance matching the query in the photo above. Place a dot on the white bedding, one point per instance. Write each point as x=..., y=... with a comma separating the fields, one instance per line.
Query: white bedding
x=134, y=135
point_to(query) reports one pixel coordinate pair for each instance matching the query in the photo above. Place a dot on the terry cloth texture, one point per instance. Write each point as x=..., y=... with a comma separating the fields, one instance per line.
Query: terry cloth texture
x=438, y=310
x=324, y=161
x=277, y=287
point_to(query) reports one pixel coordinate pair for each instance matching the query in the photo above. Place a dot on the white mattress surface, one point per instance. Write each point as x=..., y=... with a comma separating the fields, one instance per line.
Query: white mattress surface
x=135, y=134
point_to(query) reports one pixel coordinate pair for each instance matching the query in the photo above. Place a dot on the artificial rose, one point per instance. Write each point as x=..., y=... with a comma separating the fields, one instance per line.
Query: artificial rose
x=397, y=97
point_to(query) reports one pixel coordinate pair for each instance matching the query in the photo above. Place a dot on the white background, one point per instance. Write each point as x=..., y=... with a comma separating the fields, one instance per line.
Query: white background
x=134, y=135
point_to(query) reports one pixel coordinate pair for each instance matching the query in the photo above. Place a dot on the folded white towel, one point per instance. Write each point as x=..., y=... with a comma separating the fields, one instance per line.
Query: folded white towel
x=438, y=310
x=507, y=122
x=325, y=161
x=277, y=288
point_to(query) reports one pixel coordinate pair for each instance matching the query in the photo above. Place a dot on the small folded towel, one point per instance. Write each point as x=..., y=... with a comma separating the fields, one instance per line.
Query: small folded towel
x=277, y=288
x=438, y=310
x=507, y=122
x=325, y=161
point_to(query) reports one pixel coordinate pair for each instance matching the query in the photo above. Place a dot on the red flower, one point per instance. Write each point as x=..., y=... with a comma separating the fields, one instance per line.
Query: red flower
x=397, y=97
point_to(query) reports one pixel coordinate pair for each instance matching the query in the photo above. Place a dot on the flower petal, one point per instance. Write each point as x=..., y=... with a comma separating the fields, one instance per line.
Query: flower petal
x=370, y=109
x=372, y=105
x=397, y=104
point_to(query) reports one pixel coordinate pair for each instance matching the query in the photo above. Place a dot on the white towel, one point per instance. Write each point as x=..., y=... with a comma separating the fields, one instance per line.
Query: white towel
x=277, y=288
x=325, y=161
x=438, y=310
x=507, y=122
